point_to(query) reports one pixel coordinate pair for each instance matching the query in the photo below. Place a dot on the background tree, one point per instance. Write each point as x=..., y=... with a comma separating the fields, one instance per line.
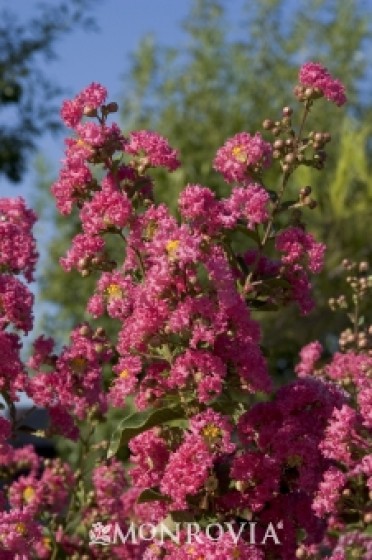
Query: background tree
x=221, y=83
x=27, y=96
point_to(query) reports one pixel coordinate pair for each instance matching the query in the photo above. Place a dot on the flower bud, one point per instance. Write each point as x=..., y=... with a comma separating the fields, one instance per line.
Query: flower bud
x=305, y=191
x=278, y=144
x=312, y=204
x=90, y=112
x=287, y=111
x=290, y=158
x=112, y=107
x=84, y=330
x=326, y=137
x=268, y=124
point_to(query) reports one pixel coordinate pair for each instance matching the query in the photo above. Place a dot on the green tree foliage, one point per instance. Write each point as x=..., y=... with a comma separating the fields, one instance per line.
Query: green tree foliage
x=26, y=93
x=224, y=80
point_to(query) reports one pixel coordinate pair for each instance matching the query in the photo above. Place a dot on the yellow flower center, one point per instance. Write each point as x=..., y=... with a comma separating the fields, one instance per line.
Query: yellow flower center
x=150, y=229
x=82, y=143
x=239, y=154
x=28, y=493
x=294, y=461
x=236, y=553
x=47, y=542
x=78, y=364
x=211, y=431
x=172, y=247
x=114, y=291
x=20, y=528
x=124, y=374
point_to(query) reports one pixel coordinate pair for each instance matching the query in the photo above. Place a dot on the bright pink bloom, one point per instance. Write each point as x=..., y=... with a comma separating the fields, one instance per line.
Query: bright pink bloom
x=108, y=209
x=309, y=355
x=92, y=97
x=109, y=482
x=300, y=247
x=249, y=203
x=241, y=156
x=150, y=455
x=187, y=470
x=329, y=491
x=313, y=74
x=17, y=245
x=215, y=429
x=84, y=248
x=152, y=149
x=16, y=302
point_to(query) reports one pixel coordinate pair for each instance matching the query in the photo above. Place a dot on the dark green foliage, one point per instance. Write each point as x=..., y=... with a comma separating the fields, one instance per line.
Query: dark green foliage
x=27, y=107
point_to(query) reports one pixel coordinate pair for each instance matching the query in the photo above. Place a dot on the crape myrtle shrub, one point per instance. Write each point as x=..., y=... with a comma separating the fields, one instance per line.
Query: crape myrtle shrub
x=211, y=440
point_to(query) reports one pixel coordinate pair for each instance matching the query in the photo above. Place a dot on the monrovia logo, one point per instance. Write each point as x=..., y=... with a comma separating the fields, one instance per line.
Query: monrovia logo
x=111, y=533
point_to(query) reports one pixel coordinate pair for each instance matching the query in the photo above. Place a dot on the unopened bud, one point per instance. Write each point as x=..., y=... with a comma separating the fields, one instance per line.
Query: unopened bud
x=290, y=158
x=326, y=137
x=112, y=107
x=305, y=191
x=268, y=124
x=278, y=144
x=90, y=112
x=84, y=330
x=287, y=111
x=312, y=204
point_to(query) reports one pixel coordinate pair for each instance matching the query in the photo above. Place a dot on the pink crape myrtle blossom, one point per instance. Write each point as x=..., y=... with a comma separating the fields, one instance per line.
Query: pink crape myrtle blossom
x=329, y=492
x=152, y=149
x=150, y=455
x=16, y=303
x=90, y=98
x=309, y=355
x=313, y=74
x=250, y=203
x=241, y=155
x=178, y=482
x=17, y=245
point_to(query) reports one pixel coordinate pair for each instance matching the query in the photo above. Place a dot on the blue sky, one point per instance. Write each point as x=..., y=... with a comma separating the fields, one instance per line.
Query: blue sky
x=102, y=56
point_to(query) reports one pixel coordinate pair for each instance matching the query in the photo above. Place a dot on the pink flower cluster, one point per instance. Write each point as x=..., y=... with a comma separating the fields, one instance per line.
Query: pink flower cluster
x=187, y=353
x=17, y=245
x=90, y=98
x=152, y=149
x=241, y=156
x=313, y=74
x=302, y=254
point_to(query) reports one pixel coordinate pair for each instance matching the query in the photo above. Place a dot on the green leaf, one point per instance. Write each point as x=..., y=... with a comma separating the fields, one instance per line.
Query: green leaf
x=152, y=495
x=139, y=422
